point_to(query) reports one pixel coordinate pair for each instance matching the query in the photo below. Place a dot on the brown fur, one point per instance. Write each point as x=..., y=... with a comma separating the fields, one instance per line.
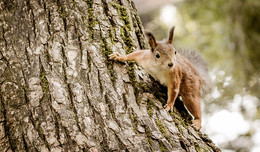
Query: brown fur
x=172, y=70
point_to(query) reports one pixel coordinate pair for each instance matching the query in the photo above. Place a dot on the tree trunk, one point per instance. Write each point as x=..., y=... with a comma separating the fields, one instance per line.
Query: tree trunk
x=59, y=91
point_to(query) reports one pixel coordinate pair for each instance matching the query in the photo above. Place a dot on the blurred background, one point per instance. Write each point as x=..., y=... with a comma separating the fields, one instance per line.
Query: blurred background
x=227, y=34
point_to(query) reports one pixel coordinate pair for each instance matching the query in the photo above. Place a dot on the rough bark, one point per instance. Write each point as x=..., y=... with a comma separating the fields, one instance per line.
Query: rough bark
x=59, y=91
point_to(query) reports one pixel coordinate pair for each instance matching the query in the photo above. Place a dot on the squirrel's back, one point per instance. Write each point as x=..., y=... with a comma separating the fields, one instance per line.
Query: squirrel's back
x=199, y=63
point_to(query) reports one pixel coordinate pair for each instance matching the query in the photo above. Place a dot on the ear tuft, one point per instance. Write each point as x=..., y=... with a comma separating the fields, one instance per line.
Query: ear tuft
x=170, y=40
x=151, y=40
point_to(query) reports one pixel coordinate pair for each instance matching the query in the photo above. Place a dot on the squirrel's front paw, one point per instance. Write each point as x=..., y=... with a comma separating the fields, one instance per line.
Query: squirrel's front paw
x=168, y=107
x=117, y=57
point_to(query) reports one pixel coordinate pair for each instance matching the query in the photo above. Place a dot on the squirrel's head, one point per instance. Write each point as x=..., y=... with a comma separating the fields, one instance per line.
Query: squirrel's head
x=163, y=52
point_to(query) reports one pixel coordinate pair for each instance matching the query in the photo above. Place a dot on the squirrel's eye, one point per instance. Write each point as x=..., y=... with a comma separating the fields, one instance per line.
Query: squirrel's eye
x=157, y=55
x=175, y=52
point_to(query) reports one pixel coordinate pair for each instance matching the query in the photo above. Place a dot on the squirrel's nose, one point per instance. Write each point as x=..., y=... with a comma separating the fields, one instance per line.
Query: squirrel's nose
x=170, y=64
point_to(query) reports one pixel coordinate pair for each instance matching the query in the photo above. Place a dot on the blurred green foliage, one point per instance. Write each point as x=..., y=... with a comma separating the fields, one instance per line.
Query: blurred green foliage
x=227, y=33
x=234, y=32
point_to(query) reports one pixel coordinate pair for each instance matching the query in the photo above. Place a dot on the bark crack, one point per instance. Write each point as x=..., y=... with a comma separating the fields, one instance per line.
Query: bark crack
x=99, y=120
x=80, y=45
x=39, y=129
x=73, y=106
x=26, y=54
x=57, y=123
x=64, y=55
x=49, y=22
x=6, y=126
x=3, y=57
x=70, y=142
x=47, y=54
x=25, y=143
x=33, y=17
x=63, y=14
x=4, y=37
x=106, y=11
x=70, y=91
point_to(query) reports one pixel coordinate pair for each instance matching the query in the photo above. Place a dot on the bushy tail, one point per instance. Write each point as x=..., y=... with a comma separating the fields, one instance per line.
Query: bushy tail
x=197, y=60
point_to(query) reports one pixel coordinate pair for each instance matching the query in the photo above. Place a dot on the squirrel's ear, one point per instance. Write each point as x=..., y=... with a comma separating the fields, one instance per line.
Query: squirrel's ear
x=151, y=40
x=171, y=35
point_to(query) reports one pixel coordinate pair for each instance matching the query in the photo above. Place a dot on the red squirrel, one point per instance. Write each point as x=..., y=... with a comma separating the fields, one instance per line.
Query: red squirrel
x=183, y=72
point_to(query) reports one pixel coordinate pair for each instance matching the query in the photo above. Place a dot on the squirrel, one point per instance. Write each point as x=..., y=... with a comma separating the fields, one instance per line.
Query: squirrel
x=182, y=72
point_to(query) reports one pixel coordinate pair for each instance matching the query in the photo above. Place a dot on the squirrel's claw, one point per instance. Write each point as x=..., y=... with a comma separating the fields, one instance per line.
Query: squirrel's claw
x=113, y=56
x=117, y=57
x=168, y=107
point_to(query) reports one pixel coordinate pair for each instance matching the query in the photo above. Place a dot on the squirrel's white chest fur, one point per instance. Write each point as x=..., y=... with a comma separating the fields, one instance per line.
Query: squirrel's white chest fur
x=156, y=73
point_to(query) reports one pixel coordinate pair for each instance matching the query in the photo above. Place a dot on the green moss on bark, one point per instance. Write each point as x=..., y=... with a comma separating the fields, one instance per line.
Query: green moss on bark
x=91, y=20
x=161, y=127
x=106, y=51
x=44, y=82
x=162, y=146
x=150, y=107
x=131, y=73
x=125, y=34
x=135, y=123
x=148, y=136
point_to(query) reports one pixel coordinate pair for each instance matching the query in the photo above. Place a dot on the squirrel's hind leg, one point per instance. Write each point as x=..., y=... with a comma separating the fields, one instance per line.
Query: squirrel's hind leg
x=193, y=105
